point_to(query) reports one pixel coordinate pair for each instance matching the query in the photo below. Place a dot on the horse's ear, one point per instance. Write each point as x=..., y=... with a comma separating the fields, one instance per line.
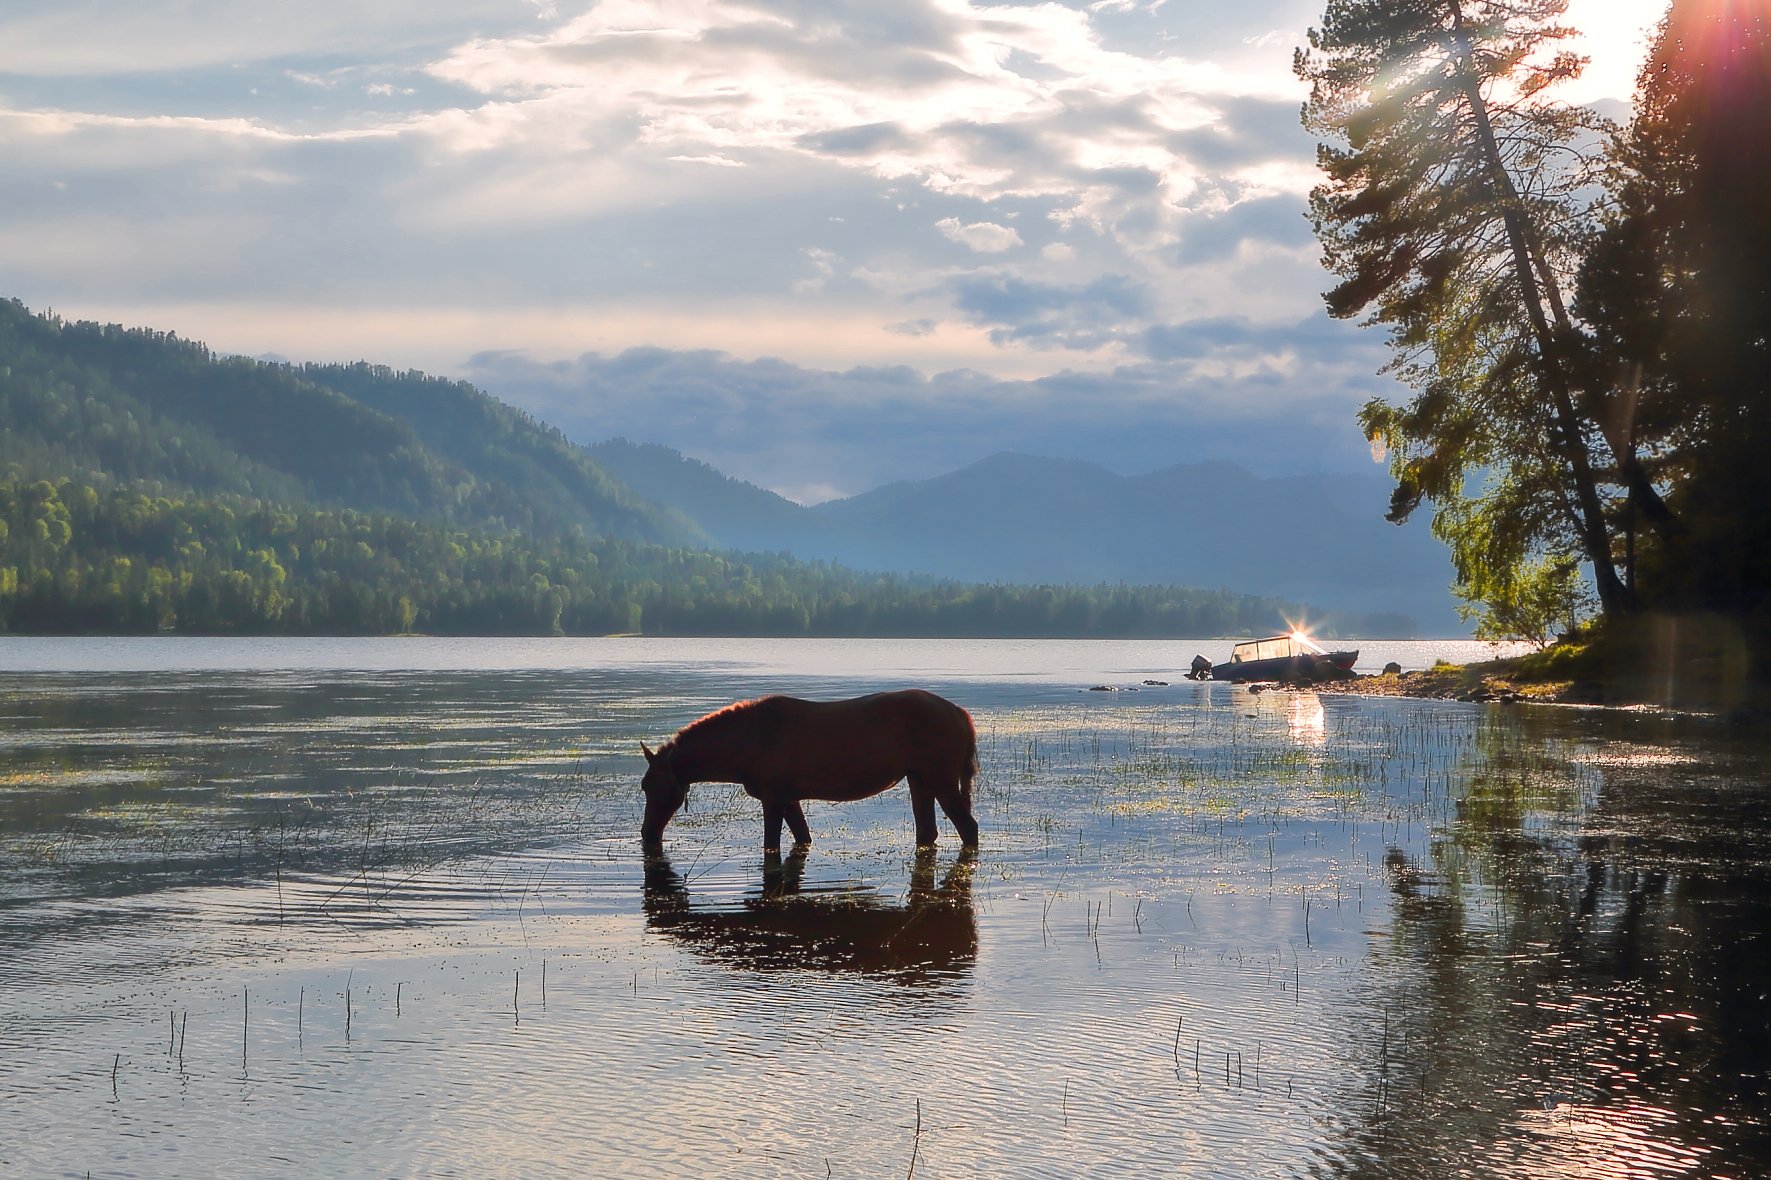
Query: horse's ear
x=651, y=756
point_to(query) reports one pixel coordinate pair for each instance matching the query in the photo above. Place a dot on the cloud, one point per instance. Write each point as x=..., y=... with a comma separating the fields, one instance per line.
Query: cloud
x=90, y=38
x=588, y=128
x=866, y=140
x=980, y=101
x=823, y=267
x=983, y=236
x=716, y=160
x=1320, y=338
x=1003, y=298
x=1214, y=235
x=1084, y=316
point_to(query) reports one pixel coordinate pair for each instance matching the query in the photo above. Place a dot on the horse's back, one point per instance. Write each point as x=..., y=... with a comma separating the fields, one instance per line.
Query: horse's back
x=863, y=745
x=913, y=716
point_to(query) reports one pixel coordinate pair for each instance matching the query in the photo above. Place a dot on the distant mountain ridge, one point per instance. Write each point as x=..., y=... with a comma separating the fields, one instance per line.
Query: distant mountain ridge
x=1023, y=518
x=732, y=513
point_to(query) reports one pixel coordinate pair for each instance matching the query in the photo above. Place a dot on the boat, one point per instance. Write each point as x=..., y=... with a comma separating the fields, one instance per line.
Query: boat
x=1293, y=656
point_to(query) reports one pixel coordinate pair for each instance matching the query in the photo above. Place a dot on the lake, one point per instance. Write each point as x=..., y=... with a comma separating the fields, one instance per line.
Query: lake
x=377, y=908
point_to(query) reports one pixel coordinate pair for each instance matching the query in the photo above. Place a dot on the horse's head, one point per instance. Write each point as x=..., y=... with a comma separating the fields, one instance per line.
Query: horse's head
x=664, y=794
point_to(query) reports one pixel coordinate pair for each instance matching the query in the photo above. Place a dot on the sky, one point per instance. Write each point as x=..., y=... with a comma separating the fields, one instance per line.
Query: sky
x=820, y=244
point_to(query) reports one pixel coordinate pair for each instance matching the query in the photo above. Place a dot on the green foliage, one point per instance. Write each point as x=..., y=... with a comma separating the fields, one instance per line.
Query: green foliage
x=1562, y=661
x=1511, y=590
x=1628, y=428
x=78, y=559
x=1533, y=601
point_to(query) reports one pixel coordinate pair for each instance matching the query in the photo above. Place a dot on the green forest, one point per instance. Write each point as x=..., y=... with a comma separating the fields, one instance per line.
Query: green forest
x=148, y=486
x=76, y=559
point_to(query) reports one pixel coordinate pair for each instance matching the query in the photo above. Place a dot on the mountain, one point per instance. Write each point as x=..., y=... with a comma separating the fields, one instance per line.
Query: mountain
x=732, y=513
x=1024, y=518
x=1316, y=538
x=531, y=472
x=116, y=405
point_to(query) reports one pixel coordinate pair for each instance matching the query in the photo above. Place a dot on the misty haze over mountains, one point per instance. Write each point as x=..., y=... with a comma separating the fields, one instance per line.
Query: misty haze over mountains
x=816, y=434
x=1023, y=518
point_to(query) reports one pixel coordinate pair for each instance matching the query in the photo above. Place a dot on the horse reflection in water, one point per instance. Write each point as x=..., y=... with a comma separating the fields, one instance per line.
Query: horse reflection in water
x=931, y=938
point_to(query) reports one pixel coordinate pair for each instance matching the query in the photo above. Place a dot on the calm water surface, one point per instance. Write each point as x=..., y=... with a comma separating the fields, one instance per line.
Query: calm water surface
x=376, y=908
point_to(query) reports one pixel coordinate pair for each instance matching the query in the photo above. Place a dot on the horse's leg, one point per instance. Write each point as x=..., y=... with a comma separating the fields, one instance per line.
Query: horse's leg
x=773, y=814
x=796, y=822
x=959, y=810
x=922, y=807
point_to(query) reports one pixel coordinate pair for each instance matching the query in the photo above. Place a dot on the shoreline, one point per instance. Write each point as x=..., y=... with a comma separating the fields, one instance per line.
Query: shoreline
x=1748, y=705
x=1468, y=682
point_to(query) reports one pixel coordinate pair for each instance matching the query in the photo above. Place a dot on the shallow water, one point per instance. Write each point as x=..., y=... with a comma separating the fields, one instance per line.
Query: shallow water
x=350, y=913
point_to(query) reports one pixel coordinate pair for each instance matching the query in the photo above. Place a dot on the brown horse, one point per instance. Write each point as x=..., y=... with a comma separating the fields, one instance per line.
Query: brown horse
x=782, y=750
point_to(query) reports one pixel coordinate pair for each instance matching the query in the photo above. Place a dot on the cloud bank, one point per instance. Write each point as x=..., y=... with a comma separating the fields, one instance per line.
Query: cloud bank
x=816, y=434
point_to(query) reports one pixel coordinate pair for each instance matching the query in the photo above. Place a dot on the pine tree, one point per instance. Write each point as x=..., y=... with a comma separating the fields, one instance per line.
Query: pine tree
x=1454, y=216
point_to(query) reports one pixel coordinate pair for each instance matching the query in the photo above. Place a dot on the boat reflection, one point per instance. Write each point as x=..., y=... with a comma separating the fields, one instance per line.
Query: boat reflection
x=929, y=938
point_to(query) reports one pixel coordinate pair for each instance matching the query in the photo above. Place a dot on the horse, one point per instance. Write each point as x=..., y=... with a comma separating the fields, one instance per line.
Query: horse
x=783, y=750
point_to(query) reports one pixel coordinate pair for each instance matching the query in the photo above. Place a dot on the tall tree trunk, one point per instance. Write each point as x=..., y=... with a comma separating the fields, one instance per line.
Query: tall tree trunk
x=1614, y=596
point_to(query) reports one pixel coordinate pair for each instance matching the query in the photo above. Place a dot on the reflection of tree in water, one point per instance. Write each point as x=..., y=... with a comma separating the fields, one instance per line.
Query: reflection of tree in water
x=1578, y=983
x=931, y=938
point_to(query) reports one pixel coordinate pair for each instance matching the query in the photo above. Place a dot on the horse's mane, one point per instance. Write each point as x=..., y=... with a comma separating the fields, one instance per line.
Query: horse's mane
x=714, y=721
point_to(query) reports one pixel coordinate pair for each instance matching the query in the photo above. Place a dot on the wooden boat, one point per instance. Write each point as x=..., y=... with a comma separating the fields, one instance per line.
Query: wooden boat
x=1294, y=656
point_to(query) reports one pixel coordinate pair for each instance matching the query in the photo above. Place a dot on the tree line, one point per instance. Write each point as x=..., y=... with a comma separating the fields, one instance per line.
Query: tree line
x=1582, y=308
x=75, y=558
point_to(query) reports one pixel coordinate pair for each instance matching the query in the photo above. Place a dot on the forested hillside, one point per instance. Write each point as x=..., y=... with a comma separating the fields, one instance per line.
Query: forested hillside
x=532, y=472
x=109, y=406
x=77, y=559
